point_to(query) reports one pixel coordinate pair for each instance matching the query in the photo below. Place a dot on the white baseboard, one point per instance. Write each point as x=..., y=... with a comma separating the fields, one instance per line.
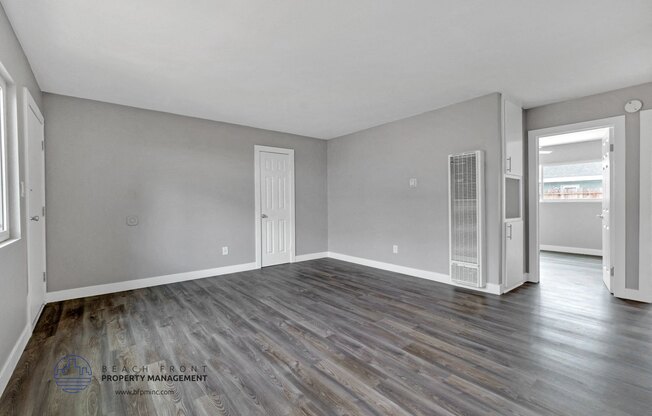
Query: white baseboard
x=14, y=356
x=423, y=274
x=200, y=274
x=311, y=256
x=571, y=250
x=147, y=282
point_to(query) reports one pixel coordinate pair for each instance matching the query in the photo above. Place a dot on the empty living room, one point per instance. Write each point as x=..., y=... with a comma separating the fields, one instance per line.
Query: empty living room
x=254, y=208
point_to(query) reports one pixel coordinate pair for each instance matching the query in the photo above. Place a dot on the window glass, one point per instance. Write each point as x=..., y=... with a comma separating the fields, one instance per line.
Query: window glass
x=572, y=181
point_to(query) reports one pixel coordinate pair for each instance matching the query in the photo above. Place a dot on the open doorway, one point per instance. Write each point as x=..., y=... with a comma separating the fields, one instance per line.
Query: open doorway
x=574, y=175
x=577, y=205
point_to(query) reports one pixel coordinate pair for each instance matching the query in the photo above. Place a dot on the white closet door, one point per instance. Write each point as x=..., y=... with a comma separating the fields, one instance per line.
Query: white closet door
x=275, y=198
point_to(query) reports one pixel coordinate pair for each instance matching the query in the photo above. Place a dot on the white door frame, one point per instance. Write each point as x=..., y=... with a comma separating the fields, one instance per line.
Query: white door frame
x=257, y=205
x=29, y=105
x=644, y=292
x=618, y=225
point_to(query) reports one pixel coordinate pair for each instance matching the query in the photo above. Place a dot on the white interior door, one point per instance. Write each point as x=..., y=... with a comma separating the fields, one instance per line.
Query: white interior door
x=276, y=207
x=35, y=181
x=606, y=215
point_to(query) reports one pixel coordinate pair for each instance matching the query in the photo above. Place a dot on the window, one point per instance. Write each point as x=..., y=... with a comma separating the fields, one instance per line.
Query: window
x=571, y=181
x=4, y=200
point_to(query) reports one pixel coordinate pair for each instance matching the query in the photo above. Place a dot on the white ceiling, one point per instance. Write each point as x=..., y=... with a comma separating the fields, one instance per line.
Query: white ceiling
x=330, y=67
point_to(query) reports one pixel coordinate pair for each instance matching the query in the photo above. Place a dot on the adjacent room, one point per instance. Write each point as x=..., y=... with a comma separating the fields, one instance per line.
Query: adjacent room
x=573, y=208
x=325, y=208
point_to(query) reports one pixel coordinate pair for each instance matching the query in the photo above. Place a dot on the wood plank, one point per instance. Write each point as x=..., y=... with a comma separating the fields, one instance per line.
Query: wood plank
x=327, y=337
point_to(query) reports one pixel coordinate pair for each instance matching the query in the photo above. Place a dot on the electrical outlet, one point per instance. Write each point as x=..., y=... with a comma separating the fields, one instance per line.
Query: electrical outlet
x=132, y=220
x=413, y=182
x=395, y=249
x=225, y=250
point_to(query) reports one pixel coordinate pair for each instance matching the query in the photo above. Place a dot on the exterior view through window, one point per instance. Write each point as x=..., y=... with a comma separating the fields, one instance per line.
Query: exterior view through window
x=571, y=181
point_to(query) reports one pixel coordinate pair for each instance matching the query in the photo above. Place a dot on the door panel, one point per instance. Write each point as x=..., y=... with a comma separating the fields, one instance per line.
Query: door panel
x=513, y=125
x=35, y=178
x=606, y=215
x=513, y=253
x=276, y=211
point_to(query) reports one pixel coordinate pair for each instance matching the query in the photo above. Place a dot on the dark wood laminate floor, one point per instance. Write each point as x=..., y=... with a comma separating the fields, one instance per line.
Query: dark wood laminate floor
x=328, y=337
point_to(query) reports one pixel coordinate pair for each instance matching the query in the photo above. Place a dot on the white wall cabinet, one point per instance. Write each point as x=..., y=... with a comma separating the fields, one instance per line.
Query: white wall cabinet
x=513, y=254
x=513, y=270
x=513, y=138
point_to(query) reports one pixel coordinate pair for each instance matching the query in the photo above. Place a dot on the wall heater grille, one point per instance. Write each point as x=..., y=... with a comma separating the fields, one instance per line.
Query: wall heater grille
x=466, y=212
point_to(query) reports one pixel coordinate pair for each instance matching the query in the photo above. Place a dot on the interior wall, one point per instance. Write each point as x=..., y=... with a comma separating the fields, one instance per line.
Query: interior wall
x=13, y=254
x=371, y=206
x=570, y=224
x=600, y=106
x=190, y=182
x=572, y=152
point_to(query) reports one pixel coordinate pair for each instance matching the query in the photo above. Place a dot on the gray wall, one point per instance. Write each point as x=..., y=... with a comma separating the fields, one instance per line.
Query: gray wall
x=599, y=106
x=571, y=224
x=573, y=152
x=190, y=181
x=371, y=207
x=13, y=255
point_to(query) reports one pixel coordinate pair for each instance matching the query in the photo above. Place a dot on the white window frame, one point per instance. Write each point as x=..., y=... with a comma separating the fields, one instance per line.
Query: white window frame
x=5, y=233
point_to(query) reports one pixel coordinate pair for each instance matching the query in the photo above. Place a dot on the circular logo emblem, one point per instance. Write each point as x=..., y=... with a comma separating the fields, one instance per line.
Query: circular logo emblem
x=73, y=373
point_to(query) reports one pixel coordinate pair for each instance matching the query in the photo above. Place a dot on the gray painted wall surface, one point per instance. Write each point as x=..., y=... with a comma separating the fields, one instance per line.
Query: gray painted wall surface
x=13, y=256
x=570, y=224
x=370, y=205
x=573, y=152
x=599, y=106
x=190, y=181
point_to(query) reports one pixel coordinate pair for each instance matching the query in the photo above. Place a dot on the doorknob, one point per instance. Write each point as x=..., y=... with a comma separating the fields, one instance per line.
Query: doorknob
x=35, y=218
x=601, y=216
x=263, y=216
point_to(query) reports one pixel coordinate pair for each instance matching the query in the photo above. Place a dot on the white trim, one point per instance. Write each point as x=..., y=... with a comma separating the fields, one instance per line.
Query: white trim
x=29, y=105
x=4, y=160
x=618, y=199
x=572, y=250
x=147, y=282
x=13, y=358
x=161, y=280
x=311, y=256
x=201, y=274
x=423, y=274
x=645, y=213
x=257, y=207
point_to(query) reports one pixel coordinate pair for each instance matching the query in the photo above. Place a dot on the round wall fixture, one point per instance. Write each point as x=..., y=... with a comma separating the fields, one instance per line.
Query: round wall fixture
x=633, y=106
